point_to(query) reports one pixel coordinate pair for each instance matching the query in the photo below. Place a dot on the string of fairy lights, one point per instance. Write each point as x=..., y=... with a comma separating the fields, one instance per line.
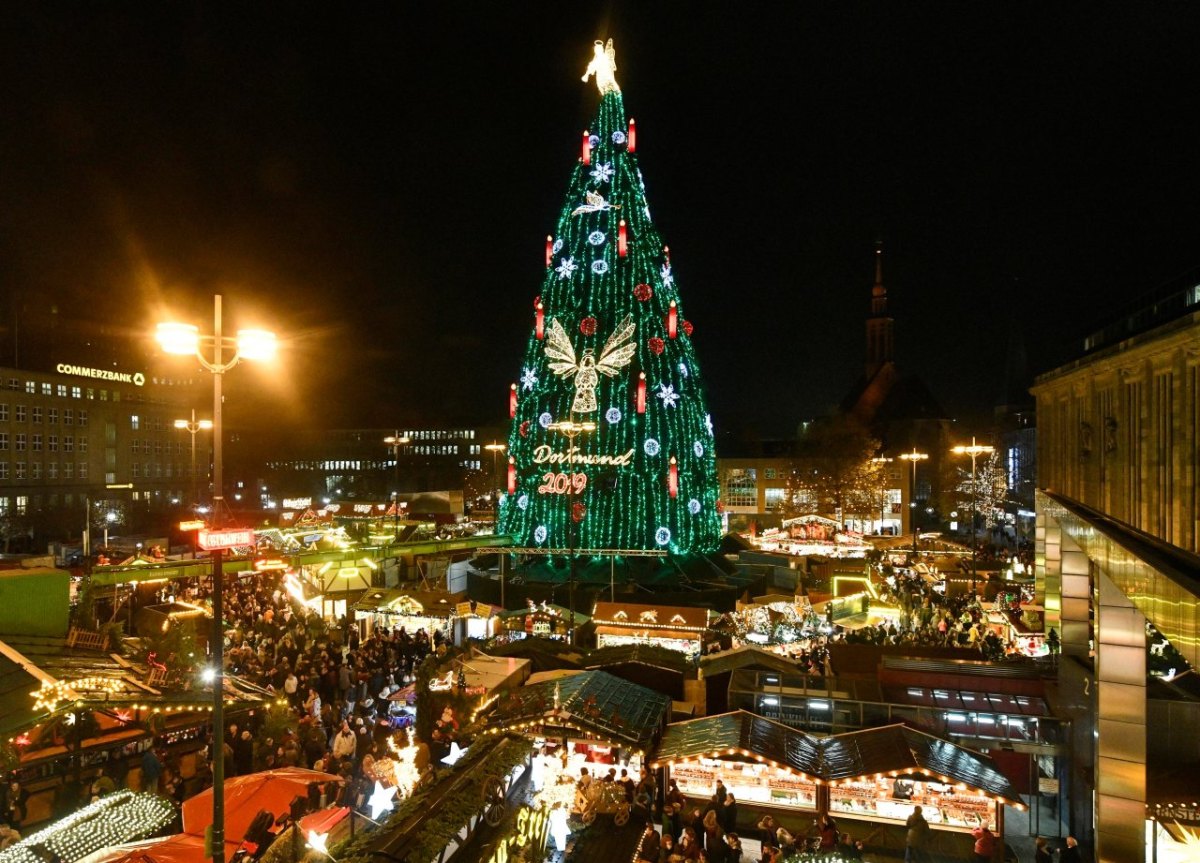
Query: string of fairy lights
x=607, y=262
x=124, y=816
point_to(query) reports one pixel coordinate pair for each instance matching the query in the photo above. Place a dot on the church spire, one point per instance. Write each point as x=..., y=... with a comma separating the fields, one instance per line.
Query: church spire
x=880, y=345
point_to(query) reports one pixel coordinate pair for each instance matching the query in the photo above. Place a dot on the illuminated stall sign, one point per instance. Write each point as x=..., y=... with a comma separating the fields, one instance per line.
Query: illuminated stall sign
x=529, y=840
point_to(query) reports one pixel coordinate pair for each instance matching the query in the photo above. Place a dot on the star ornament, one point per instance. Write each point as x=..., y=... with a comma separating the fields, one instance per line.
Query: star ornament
x=382, y=800
x=316, y=841
x=456, y=752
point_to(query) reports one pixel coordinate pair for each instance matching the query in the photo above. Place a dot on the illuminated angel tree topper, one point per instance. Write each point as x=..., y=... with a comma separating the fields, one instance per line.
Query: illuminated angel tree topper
x=610, y=351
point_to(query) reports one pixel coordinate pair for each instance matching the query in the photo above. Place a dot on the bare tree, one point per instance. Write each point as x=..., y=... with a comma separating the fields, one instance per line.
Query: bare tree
x=833, y=472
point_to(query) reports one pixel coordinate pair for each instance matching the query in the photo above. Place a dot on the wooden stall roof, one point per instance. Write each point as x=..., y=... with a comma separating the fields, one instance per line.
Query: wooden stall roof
x=593, y=701
x=678, y=617
x=639, y=654
x=893, y=750
x=434, y=603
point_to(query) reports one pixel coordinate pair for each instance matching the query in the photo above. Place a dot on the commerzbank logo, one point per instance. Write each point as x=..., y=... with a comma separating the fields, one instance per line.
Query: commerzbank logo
x=136, y=378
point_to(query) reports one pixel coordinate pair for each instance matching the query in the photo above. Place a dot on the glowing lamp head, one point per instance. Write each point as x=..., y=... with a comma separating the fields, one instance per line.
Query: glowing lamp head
x=256, y=344
x=178, y=338
x=181, y=424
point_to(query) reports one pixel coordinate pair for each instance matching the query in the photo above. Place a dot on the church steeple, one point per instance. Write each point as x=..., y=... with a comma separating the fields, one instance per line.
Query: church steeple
x=880, y=346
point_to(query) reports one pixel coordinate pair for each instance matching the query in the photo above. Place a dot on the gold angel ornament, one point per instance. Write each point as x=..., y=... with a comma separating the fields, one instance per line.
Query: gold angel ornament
x=617, y=353
x=604, y=67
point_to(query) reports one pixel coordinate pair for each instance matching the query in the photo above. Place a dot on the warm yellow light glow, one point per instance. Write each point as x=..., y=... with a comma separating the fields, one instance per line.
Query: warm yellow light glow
x=178, y=338
x=205, y=424
x=255, y=344
x=181, y=424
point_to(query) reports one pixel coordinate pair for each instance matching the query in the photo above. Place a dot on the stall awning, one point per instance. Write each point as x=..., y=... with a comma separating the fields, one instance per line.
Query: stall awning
x=594, y=702
x=744, y=734
x=417, y=603
x=664, y=617
x=891, y=750
x=898, y=750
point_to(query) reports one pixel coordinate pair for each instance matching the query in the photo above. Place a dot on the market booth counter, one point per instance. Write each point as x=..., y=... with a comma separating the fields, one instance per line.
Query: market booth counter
x=674, y=627
x=430, y=610
x=588, y=719
x=876, y=777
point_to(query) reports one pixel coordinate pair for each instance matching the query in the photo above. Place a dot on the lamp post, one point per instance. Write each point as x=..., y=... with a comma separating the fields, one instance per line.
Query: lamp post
x=253, y=344
x=191, y=427
x=974, y=451
x=571, y=430
x=495, y=449
x=913, y=457
x=395, y=441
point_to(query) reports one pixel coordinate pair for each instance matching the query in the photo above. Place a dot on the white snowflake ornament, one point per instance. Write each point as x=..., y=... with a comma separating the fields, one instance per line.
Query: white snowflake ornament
x=603, y=172
x=667, y=278
x=529, y=378
x=667, y=393
x=566, y=268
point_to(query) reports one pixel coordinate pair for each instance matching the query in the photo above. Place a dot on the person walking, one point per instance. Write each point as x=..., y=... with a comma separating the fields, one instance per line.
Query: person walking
x=649, y=847
x=916, y=837
x=985, y=844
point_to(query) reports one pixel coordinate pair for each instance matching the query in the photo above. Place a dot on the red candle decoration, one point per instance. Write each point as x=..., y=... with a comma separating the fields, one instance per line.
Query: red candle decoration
x=622, y=247
x=587, y=147
x=632, y=139
x=549, y=249
x=512, y=401
x=641, y=393
x=673, y=478
x=672, y=321
x=540, y=315
x=512, y=475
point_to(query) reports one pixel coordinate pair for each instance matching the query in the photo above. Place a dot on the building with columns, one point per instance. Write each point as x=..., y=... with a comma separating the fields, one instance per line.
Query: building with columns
x=1118, y=572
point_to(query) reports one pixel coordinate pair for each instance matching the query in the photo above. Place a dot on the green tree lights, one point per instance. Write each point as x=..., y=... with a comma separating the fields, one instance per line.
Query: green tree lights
x=610, y=347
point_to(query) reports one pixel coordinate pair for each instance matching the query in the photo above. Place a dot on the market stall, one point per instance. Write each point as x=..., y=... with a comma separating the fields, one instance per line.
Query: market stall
x=588, y=720
x=674, y=627
x=475, y=620
x=432, y=611
x=538, y=620
x=758, y=760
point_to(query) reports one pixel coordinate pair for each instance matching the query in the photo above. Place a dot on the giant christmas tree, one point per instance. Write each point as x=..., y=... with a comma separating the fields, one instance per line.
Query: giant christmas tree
x=612, y=444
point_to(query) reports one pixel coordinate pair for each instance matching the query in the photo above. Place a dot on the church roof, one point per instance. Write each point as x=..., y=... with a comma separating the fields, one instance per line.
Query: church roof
x=889, y=396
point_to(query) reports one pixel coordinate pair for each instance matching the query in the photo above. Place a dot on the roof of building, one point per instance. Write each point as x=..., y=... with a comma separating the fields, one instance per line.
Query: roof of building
x=640, y=654
x=741, y=733
x=889, y=396
x=425, y=603
x=651, y=616
x=592, y=701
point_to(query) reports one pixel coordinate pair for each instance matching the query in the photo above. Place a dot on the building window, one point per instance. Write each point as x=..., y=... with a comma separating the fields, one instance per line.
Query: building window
x=76, y=392
x=36, y=442
x=69, y=470
x=91, y=393
x=14, y=384
x=81, y=443
x=19, y=440
x=62, y=391
x=52, y=470
x=37, y=415
x=30, y=387
x=741, y=487
x=68, y=443
x=4, y=474
x=158, y=447
x=770, y=473
x=134, y=421
x=774, y=497
x=68, y=417
x=47, y=389
x=83, y=470
x=4, y=441
x=35, y=470
x=52, y=442
x=19, y=415
x=133, y=446
x=22, y=504
x=137, y=470
x=19, y=473
x=83, y=418
x=4, y=413
x=52, y=416
x=103, y=395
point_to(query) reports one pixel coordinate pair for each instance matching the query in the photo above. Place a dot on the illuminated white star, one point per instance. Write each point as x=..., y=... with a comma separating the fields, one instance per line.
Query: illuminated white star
x=69, y=719
x=667, y=393
x=455, y=753
x=316, y=841
x=382, y=800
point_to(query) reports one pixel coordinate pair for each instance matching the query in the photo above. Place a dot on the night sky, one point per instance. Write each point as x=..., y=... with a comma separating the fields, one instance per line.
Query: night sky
x=375, y=181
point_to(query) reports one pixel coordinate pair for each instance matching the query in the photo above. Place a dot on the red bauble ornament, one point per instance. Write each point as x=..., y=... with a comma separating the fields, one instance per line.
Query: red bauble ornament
x=687, y=327
x=656, y=345
x=524, y=429
x=588, y=326
x=643, y=292
x=578, y=511
x=720, y=507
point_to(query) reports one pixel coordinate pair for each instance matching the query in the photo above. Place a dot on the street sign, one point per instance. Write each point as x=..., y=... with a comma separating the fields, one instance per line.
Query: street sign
x=198, y=524
x=229, y=538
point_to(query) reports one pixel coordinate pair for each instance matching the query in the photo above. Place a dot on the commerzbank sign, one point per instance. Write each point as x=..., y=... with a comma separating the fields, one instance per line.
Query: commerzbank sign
x=135, y=378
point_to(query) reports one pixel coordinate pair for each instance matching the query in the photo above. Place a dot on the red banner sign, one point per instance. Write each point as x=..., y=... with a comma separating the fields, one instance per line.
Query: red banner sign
x=230, y=538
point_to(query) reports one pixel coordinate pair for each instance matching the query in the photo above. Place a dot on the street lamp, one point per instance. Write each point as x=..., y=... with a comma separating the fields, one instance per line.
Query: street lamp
x=191, y=427
x=913, y=457
x=495, y=449
x=110, y=517
x=571, y=430
x=974, y=451
x=253, y=344
x=395, y=441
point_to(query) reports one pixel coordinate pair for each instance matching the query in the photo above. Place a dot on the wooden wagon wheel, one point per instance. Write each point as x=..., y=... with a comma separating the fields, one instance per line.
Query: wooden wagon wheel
x=493, y=800
x=621, y=816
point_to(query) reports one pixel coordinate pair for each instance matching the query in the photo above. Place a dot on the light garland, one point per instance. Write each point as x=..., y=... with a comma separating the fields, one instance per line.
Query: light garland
x=50, y=695
x=124, y=816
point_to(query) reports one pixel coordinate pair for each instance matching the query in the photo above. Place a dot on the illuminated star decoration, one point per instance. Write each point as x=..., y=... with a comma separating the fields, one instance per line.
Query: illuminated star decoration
x=382, y=800
x=69, y=719
x=529, y=378
x=566, y=269
x=667, y=393
x=456, y=753
x=316, y=841
x=667, y=278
